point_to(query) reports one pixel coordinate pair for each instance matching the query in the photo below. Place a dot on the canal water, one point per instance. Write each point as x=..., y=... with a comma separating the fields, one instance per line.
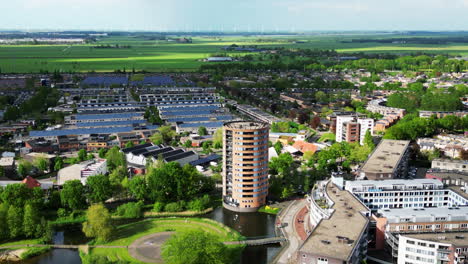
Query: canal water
x=253, y=225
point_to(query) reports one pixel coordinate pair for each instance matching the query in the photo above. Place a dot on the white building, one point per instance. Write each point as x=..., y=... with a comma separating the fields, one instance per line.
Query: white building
x=82, y=171
x=352, y=128
x=417, y=193
x=450, y=248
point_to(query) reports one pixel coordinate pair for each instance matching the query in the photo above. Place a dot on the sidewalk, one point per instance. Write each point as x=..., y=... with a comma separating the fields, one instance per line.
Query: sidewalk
x=288, y=216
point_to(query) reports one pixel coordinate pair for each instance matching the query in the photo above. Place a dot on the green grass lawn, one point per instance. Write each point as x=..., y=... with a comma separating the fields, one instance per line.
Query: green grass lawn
x=327, y=137
x=269, y=210
x=125, y=235
x=163, y=56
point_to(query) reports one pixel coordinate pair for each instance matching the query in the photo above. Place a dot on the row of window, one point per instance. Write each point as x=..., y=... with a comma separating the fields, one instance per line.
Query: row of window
x=422, y=259
x=420, y=251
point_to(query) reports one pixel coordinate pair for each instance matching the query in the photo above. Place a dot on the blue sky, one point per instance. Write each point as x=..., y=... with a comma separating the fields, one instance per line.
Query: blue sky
x=235, y=15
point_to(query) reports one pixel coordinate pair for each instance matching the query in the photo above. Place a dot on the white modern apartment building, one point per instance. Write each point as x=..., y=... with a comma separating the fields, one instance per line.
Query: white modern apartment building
x=447, y=248
x=417, y=193
x=352, y=128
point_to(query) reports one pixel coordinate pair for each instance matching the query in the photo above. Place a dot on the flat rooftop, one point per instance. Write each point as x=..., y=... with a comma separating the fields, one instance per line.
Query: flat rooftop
x=390, y=184
x=346, y=221
x=456, y=238
x=246, y=125
x=386, y=156
x=421, y=212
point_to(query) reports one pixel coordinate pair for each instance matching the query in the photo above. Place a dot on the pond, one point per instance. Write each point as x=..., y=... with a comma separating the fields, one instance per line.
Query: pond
x=257, y=225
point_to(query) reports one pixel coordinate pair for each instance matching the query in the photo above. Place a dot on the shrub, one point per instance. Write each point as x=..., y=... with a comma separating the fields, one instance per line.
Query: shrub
x=130, y=210
x=199, y=204
x=173, y=207
x=62, y=213
x=158, y=207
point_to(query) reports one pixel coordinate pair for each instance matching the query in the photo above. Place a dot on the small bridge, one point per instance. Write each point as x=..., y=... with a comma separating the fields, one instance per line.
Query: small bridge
x=258, y=241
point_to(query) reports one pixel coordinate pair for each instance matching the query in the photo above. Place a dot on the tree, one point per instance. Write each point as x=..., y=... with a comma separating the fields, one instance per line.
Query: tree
x=202, y=131
x=278, y=147
x=41, y=163
x=287, y=192
x=368, y=141
x=82, y=155
x=115, y=158
x=98, y=223
x=129, y=144
x=98, y=188
x=102, y=153
x=137, y=187
x=218, y=138
x=118, y=175
x=58, y=165
x=24, y=168
x=130, y=210
x=4, y=232
x=188, y=143
x=165, y=135
x=31, y=220
x=72, y=195
x=15, y=221
x=171, y=182
x=16, y=194
x=194, y=247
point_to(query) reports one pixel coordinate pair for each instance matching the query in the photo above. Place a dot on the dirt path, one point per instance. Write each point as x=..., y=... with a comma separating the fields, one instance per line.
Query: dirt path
x=148, y=248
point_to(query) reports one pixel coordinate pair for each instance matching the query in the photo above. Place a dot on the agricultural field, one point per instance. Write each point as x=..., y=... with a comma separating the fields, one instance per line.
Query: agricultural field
x=164, y=56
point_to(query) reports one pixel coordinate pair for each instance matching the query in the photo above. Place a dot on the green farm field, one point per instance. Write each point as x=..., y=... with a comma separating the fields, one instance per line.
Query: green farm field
x=163, y=56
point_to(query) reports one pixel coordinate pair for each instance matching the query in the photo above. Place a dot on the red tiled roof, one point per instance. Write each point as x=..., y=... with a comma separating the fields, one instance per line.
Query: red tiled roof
x=303, y=146
x=31, y=182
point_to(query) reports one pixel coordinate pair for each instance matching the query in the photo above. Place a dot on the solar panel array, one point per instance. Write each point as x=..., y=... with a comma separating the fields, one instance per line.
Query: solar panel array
x=156, y=81
x=199, y=119
x=83, y=117
x=86, y=131
x=210, y=158
x=209, y=124
x=110, y=123
x=105, y=80
x=190, y=113
x=191, y=109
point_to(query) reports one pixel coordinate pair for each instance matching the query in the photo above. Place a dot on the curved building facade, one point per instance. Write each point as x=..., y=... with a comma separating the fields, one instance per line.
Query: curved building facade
x=245, y=165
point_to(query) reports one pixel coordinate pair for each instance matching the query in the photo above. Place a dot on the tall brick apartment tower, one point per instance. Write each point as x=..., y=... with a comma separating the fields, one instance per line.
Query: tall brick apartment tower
x=245, y=165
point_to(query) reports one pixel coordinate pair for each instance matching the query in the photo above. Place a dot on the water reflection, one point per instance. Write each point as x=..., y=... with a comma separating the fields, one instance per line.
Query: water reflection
x=250, y=225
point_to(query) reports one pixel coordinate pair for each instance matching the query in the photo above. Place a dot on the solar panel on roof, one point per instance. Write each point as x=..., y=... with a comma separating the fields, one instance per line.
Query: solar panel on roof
x=157, y=152
x=107, y=116
x=143, y=146
x=87, y=131
x=210, y=158
x=179, y=156
x=110, y=123
x=209, y=124
x=105, y=80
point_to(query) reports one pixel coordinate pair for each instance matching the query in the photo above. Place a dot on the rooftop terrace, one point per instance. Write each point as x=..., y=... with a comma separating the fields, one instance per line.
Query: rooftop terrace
x=339, y=235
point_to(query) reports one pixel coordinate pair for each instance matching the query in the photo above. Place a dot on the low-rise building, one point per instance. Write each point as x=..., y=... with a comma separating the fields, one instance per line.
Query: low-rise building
x=339, y=224
x=449, y=248
x=389, y=160
x=453, y=146
x=417, y=220
x=7, y=163
x=353, y=128
x=139, y=156
x=447, y=165
x=417, y=193
x=41, y=145
x=68, y=143
x=441, y=114
x=82, y=171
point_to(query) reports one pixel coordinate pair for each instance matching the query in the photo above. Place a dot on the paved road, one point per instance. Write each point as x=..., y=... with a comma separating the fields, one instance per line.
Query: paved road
x=288, y=216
